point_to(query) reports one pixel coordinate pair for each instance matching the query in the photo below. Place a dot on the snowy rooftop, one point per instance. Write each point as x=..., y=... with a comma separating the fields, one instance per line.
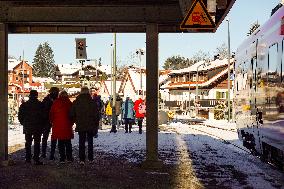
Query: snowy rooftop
x=43, y=79
x=135, y=76
x=213, y=64
x=109, y=87
x=105, y=68
x=68, y=69
x=12, y=63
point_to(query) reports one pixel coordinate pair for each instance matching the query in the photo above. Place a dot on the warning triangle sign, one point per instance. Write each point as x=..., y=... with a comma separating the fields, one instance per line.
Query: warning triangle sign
x=197, y=17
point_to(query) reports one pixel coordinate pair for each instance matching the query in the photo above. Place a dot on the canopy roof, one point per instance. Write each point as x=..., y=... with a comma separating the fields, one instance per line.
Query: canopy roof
x=88, y=16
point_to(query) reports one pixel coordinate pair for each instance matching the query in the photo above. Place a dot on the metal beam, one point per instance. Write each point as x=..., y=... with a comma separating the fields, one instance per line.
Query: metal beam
x=152, y=89
x=101, y=14
x=29, y=16
x=92, y=28
x=185, y=6
x=3, y=92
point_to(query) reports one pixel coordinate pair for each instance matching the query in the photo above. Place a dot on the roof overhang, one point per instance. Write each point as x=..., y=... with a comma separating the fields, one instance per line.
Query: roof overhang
x=89, y=16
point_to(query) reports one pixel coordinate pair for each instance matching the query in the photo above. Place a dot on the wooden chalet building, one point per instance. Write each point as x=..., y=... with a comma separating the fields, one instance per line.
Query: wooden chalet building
x=212, y=87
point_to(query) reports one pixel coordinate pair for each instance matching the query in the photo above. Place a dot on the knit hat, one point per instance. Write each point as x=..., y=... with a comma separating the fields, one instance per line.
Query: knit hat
x=33, y=94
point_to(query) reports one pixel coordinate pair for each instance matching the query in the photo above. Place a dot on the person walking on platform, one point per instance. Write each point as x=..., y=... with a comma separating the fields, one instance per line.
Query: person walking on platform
x=85, y=114
x=30, y=116
x=140, y=111
x=47, y=103
x=128, y=114
x=62, y=126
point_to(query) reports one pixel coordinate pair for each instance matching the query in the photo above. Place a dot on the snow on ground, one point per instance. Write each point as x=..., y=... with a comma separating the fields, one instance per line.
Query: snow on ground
x=15, y=135
x=215, y=162
x=221, y=124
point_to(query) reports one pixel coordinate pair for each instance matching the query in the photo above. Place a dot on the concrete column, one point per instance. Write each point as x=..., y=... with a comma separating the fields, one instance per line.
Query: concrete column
x=3, y=92
x=152, y=91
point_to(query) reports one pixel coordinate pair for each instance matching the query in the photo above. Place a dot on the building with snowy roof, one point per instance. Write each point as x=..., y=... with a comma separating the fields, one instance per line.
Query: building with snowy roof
x=133, y=83
x=211, y=80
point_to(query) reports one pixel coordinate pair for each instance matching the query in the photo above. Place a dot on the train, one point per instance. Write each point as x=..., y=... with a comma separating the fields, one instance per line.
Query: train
x=259, y=90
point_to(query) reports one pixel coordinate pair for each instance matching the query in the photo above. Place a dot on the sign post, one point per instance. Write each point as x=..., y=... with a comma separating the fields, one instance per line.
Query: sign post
x=197, y=17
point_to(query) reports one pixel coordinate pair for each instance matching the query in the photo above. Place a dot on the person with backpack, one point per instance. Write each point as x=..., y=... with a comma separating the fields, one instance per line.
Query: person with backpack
x=140, y=111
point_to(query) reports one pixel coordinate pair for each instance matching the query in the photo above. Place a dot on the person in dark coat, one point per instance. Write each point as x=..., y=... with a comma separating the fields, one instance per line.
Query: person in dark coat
x=100, y=105
x=30, y=116
x=47, y=103
x=128, y=114
x=62, y=125
x=114, y=122
x=85, y=114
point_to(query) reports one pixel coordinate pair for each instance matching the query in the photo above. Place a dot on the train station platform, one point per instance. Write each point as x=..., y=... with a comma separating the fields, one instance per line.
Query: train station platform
x=192, y=159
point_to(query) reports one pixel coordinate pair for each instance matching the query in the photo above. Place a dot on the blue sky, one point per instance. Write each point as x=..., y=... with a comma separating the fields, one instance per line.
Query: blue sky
x=242, y=15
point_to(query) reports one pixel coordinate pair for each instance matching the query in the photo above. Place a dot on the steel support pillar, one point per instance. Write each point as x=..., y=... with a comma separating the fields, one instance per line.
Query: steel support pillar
x=152, y=90
x=3, y=92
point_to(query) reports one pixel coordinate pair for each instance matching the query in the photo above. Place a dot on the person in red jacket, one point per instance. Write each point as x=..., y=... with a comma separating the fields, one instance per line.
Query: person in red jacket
x=62, y=126
x=140, y=111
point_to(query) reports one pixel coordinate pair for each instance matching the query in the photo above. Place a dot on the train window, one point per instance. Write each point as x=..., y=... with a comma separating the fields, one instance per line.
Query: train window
x=274, y=72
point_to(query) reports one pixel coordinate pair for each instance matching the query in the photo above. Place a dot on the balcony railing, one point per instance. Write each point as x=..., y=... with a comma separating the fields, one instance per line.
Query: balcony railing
x=203, y=103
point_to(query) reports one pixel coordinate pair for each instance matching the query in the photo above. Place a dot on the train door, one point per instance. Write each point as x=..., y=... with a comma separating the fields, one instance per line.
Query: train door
x=254, y=97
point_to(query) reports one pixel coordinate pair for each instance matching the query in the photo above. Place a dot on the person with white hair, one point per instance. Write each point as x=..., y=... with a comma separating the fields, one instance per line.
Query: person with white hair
x=85, y=114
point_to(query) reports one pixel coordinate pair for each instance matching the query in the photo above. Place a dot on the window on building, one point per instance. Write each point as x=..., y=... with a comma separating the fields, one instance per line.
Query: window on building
x=220, y=95
x=194, y=77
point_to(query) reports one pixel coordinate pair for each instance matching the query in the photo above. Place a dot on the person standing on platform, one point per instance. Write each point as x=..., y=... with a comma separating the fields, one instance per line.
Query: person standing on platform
x=140, y=111
x=128, y=114
x=108, y=111
x=62, y=126
x=47, y=103
x=85, y=114
x=30, y=116
x=118, y=103
x=100, y=105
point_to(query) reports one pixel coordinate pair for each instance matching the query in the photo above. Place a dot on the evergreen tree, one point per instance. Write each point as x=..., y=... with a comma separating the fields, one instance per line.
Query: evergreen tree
x=43, y=63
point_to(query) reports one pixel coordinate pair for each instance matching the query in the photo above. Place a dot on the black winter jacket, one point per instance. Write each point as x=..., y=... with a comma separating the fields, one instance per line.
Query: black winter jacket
x=47, y=103
x=31, y=116
x=85, y=113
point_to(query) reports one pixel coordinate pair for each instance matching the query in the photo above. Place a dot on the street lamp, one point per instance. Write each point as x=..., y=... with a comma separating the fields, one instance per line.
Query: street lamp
x=204, y=64
x=140, y=52
x=188, y=87
x=229, y=70
x=114, y=121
